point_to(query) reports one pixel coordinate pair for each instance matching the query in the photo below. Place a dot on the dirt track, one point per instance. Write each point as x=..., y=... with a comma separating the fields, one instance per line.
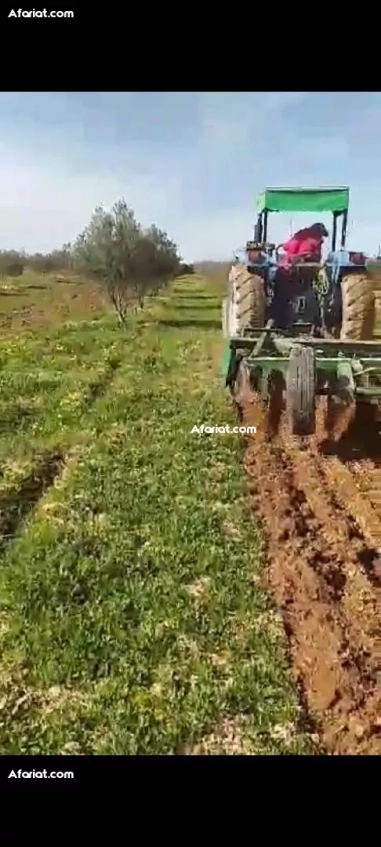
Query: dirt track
x=320, y=503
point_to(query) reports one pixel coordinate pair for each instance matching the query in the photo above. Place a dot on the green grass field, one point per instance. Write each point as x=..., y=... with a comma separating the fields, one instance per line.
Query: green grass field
x=46, y=301
x=132, y=616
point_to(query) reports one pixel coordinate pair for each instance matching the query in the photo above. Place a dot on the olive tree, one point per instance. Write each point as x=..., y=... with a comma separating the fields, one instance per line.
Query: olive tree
x=12, y=263
x=129, y=261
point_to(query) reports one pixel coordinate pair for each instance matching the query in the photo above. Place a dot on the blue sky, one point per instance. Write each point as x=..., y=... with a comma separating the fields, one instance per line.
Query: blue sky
x=193, y=163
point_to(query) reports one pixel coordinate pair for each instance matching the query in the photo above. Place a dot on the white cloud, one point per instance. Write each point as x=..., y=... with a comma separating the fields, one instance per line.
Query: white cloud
x=234, y=123
x=216, y=236
x=42, y=206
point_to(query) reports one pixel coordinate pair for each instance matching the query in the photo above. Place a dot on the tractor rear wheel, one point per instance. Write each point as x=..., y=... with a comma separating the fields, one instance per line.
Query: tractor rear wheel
x=251, y=300
x=377, y=308
x=358, y=308
x=373, y=267
x=300, y=391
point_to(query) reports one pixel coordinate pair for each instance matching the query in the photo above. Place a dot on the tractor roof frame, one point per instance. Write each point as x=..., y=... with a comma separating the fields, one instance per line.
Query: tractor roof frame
x=314, y=200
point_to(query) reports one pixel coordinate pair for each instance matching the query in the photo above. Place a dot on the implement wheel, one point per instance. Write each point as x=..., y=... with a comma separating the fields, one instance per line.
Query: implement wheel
x=300, y=391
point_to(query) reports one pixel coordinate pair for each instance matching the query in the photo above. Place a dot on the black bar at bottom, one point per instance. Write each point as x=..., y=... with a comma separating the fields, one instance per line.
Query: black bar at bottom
x=104, y=769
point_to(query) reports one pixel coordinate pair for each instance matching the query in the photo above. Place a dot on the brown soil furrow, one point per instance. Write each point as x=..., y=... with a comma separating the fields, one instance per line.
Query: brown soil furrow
x=359, y=602
x=360, y=502
x=16, y=503
x=353, y=469
x=369, y=483
x=317, y=570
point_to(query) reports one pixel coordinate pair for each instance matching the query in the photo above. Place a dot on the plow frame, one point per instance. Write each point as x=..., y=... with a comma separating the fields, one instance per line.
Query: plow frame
x=310, y=367
x=268, y=350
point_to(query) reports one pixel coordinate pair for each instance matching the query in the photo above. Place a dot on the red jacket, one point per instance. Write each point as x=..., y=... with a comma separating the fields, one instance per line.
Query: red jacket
x=304, y=243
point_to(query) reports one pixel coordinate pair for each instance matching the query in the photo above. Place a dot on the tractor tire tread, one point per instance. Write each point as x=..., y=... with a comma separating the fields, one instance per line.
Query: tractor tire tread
x=301, y=391
x=358, y=307
x=251, y=300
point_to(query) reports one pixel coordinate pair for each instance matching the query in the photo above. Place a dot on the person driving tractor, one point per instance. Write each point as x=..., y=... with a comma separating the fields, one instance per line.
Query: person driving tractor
x=305, y=244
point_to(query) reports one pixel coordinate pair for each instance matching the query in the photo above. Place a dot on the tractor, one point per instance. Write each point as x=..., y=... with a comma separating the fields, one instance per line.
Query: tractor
x=310, y=328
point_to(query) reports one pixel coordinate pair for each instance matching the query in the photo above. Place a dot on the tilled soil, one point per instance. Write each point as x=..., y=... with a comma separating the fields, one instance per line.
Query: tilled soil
x=319, y=500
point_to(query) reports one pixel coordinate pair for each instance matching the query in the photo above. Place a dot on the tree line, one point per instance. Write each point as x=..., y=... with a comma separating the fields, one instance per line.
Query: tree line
x=129, y=261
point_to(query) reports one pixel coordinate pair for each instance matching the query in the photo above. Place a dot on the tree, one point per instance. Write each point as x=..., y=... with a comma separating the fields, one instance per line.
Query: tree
x=12, y=263
x=128, y=260
x=40, y=263
x=186, y=270
x=57, y=260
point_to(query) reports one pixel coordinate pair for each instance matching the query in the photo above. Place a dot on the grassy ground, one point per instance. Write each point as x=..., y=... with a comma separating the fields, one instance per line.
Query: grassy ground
x=132, y=617
x=46, y=301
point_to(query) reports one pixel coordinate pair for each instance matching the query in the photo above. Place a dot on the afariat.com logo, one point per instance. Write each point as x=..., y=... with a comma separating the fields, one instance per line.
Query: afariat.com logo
x=44, y=774
x=221, y=430
x=39, y=13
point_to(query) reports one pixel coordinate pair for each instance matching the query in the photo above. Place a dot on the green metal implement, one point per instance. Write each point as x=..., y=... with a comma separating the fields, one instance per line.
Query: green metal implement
x=341, y=367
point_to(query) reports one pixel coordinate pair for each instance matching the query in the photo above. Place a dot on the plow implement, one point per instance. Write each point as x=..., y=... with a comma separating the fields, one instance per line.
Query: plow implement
x=324, y=388
x=298, y=370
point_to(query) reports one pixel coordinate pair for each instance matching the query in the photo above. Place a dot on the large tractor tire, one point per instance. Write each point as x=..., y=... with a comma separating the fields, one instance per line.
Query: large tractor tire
x=251, y=300
x=373, y=267
x=377, y=309
x=376, y=286
x=358, y=307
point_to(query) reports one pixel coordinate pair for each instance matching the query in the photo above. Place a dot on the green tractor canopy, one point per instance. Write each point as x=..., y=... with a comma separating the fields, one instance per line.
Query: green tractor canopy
x=335, y=200
x=304, y=200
